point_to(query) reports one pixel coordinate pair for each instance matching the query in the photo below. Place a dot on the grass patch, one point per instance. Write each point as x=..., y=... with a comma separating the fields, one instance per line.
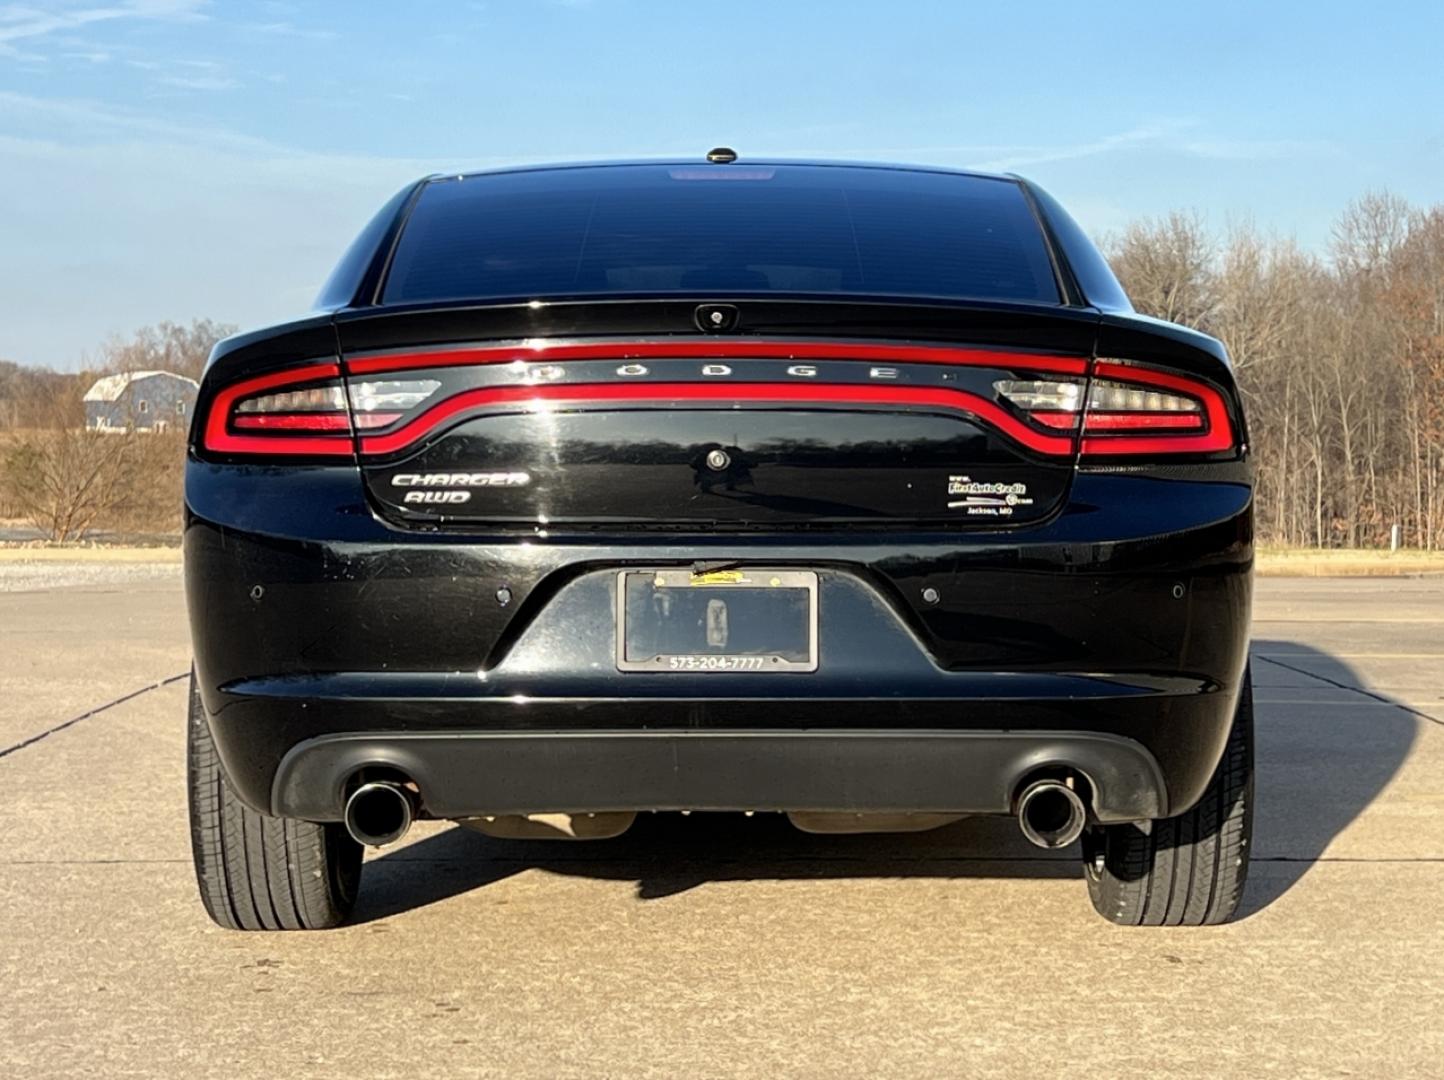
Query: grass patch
x=29, y=552
x=1272, y=561
x=1339, y=562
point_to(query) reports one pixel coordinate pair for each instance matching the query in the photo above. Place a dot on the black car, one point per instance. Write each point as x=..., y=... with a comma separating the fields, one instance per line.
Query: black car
x=853, y=492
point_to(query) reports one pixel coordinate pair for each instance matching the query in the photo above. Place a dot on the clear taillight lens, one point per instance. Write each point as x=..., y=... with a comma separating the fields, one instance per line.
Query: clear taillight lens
x=1126, y=410
x=383, y=401
x=327, y=398
x=1042, y=395
x=1117, y=406
x=323, y=408
x=312, y=408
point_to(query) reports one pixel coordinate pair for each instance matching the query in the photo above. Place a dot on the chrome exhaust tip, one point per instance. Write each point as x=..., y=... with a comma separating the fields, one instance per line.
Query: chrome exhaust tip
x=1051, y=814
x=379, y=813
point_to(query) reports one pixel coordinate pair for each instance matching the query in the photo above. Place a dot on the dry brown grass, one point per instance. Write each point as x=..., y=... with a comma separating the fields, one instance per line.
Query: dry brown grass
x=1333, y=562
x=1272, y=561
x=84, y=553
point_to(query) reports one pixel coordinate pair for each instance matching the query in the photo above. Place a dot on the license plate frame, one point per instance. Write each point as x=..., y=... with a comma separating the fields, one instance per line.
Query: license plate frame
x=718, y=582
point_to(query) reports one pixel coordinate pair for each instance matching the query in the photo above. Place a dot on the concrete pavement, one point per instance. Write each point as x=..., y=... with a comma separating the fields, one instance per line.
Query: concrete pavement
x=720, y=945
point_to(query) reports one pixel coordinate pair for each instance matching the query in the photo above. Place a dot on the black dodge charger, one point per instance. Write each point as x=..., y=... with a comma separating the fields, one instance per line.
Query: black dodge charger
x=851, y=492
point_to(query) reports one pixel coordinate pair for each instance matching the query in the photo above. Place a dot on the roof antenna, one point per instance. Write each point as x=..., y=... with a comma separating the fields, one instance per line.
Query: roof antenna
x=721, y=155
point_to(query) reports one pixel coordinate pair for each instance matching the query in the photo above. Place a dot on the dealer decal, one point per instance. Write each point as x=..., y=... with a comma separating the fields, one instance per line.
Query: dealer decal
x=981, y=498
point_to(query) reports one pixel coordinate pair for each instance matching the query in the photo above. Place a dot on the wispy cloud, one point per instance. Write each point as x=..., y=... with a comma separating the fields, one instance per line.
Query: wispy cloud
x=286, y=28
x=148, y=202
x=185, y=73
x=19, y=22
x=1172, y=137
x=1168, y=136
x=92, y=123
x=1257, y=149
x=1023, y=157
x=199, y=82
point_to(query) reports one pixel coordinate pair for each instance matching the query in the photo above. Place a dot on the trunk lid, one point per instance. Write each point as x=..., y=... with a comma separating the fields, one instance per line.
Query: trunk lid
x=812, y=414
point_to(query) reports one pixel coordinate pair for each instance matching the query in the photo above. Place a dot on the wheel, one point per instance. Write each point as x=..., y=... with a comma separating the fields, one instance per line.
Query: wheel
x=1187, y=870
x=258, y=872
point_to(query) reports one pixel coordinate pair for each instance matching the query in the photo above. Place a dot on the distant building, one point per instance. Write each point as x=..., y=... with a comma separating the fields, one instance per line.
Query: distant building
x=140, y=401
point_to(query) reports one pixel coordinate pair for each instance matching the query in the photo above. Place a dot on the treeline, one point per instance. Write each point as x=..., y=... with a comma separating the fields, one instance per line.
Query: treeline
x=1340, y=356
x=34, y=398
x=67, y=481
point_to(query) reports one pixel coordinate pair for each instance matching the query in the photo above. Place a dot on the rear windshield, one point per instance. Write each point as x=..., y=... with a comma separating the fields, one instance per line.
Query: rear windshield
x=715, y=229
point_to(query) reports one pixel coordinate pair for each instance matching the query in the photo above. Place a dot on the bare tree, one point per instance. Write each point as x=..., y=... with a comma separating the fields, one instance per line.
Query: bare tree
x=1166, y=265
x=64, y=477
x=166, y=346
x=28, y=395
x=1341, y=362
x=68, y=480
x=1369, y=234
x=1258, y=288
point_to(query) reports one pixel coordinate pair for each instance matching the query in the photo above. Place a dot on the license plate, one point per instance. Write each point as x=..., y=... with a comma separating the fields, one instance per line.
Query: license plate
x=746, y=620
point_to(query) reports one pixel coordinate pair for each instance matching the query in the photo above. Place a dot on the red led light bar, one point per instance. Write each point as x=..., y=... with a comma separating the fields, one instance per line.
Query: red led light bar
x=1121, y=421
x=714, y=348
x=1112, y=432
x=293, y=421
x=687, y=393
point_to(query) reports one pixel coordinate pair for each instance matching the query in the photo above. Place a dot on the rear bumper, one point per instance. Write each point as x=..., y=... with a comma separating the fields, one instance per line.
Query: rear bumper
x=473, y=774
x=1111, y=640
x=876, y=728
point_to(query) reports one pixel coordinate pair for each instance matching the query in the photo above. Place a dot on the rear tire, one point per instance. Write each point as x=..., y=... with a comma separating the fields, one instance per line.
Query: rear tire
x=1187, y=870
x=258, y=872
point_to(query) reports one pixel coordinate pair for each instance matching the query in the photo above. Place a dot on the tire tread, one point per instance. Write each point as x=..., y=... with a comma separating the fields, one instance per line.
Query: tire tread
x=1187, y=870
x=255, y=871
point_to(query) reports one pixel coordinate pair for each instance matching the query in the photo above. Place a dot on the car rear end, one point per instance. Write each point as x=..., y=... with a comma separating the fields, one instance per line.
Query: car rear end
x=831, y=490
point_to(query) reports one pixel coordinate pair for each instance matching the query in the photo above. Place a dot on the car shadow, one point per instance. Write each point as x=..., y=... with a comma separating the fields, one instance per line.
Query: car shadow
x=669, y=853
x=1327, y=744
x=1324, y=752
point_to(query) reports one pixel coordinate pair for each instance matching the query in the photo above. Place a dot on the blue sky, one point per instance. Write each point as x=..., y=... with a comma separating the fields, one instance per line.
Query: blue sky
x=163, y=159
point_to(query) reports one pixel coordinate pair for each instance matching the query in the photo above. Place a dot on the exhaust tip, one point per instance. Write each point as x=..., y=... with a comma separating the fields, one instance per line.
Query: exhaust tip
x=1051, y=814
x=378, y=813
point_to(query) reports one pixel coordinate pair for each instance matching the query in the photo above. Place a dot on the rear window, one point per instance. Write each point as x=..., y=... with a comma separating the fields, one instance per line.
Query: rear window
x=708, y=230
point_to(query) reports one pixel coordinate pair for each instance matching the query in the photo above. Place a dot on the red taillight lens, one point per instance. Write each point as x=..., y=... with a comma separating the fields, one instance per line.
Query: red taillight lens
x=1128, y=410
x=305, y=412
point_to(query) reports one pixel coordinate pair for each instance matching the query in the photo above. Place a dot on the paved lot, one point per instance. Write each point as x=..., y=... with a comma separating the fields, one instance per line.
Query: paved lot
x=723, y=946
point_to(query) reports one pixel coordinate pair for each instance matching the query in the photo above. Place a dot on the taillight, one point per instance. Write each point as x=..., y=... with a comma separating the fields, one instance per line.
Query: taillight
x=304, y=412
x=317, y=408
x=1128, y=410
